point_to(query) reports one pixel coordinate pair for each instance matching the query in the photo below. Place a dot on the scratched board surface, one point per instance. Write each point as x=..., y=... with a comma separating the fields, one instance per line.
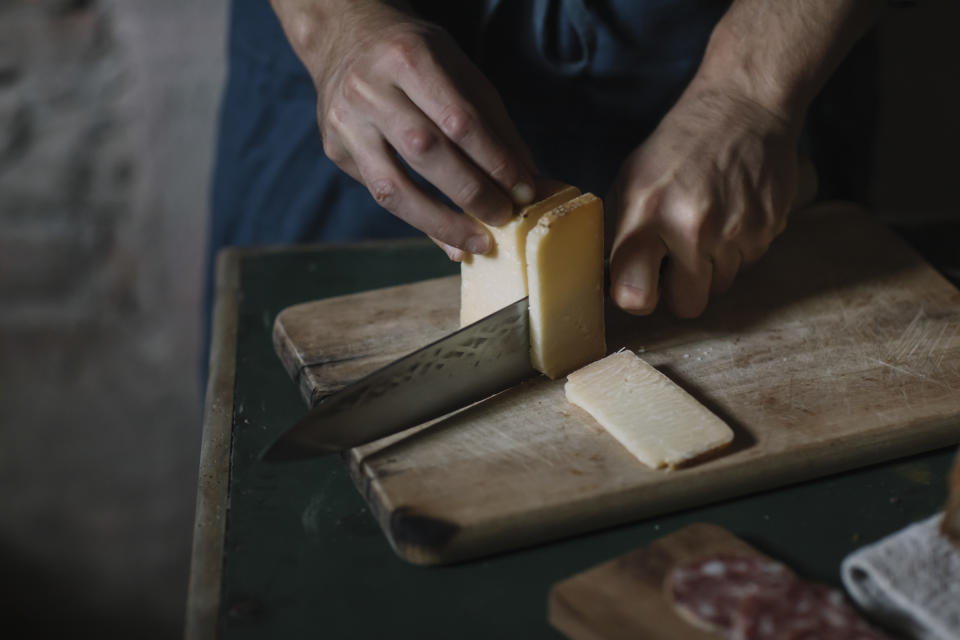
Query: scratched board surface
x=841, y=348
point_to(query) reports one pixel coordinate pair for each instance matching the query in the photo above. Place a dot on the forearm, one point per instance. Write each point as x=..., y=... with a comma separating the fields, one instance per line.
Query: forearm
x=780, y=53
x=317, y=28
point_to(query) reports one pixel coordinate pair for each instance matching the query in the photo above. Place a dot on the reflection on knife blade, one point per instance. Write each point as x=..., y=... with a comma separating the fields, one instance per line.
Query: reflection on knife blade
x=477, y=361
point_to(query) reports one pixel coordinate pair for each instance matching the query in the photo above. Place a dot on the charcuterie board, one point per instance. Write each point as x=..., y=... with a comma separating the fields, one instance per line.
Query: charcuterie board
x=627, y=597
x=841, y=348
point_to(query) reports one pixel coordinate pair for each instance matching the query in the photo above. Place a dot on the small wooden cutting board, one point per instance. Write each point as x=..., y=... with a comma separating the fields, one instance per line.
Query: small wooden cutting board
x=624, y=599
x=841, y=348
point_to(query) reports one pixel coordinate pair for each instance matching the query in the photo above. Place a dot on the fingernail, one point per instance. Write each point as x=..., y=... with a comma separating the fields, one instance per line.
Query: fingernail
x=633, y=299
x=522, y=193
x=477, y=244
x=456, y=255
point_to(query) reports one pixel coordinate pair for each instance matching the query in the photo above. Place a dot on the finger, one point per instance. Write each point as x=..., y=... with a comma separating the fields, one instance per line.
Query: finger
x=338, y=154
x=462, y=123
x=755, y=242
x=690, y=230
x=393, y=190
x=726, y=266
x=635, y=271
x=453, y=253
x=504, y=128
x=751, y=253
x=686, y=284
x=433, y=156
x=349, y=167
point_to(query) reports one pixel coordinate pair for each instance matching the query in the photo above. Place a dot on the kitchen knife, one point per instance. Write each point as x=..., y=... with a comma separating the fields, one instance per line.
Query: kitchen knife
x=471, y=364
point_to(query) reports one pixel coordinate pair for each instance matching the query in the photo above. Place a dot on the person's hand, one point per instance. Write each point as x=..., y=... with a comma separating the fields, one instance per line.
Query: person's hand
x=705, y=195
x=699, y=200
x=390, y=86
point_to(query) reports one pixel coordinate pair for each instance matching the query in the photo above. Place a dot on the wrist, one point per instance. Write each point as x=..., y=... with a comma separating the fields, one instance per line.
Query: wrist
x=779, y=54
x=727, y=104
x=745, y=71
x=321, y=32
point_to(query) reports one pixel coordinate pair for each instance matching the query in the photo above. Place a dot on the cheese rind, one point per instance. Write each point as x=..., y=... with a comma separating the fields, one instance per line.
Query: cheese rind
x=491, y=281
x=653, y=418
x=565, y=283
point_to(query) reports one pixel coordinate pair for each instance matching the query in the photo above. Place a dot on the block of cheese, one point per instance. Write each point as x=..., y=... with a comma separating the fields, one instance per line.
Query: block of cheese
x=565, y=284
x=653, y=418
x=490, y=282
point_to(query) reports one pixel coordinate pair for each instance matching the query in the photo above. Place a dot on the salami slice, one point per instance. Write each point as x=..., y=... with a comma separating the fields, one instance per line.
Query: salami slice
x=805, y=611
x=708, y=592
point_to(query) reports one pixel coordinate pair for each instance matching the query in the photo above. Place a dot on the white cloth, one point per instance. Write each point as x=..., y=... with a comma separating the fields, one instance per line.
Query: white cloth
x=909, y=580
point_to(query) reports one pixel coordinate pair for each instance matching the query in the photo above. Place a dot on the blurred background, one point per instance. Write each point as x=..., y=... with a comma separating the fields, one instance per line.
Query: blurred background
x=107, y=112
x=107, y=115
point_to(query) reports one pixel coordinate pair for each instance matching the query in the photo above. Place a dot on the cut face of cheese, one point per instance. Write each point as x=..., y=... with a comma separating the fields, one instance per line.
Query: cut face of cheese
x=490, y=282
x=653, y=418
x=565, y=284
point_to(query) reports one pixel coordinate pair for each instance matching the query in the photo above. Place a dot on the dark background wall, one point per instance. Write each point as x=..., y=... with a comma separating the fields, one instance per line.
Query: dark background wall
x=917, y=161
x=106, y=125
x=107, y=110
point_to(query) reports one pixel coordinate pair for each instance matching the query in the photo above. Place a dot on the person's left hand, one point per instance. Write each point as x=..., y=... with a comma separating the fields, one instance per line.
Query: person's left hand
x=702, y=197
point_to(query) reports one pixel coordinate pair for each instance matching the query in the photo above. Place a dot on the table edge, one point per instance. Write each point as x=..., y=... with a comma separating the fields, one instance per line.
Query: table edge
x=206, y=558
x=239, y=253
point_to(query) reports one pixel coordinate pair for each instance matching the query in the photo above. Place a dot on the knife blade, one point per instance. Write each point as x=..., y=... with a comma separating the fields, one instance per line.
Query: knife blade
x=471, y=364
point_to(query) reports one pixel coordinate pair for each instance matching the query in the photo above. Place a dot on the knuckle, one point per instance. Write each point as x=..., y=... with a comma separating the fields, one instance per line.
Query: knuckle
x=469, y=195
x=333, y=150
x=407, y=50
x=732, y=230
x=418, y=141
x=502, y=170
x=446, y=231
x=691, y=224
x=647, y=203
x=457, y=123
x=640, y=205
x=354, y=88
x=385, y=192
x=333, y=117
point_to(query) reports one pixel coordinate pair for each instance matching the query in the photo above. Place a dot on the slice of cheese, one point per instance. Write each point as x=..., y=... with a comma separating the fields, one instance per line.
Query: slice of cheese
x=653, y=418
x=490, y=282
x=565, y=284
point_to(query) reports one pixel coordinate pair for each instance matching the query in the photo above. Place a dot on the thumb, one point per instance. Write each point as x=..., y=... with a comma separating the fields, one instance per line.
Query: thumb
x=635, y=271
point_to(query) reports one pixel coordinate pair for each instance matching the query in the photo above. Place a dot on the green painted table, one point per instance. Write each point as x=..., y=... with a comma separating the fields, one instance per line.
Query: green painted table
x=291, y=551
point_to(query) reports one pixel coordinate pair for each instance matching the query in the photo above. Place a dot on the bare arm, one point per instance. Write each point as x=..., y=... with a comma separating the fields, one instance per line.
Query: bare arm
x=390, y=84
x=712, y=186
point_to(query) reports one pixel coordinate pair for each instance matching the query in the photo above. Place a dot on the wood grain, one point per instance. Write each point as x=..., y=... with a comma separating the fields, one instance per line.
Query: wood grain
x=841, y=348
x=326, y=347
x=624, y=599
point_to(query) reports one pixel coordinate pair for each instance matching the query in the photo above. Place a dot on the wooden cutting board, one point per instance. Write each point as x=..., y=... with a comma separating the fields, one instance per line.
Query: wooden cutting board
x=624, y=599
x=841, y=348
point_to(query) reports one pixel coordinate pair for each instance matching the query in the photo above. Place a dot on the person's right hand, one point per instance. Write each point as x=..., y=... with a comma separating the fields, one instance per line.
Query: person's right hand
x=390, y=85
